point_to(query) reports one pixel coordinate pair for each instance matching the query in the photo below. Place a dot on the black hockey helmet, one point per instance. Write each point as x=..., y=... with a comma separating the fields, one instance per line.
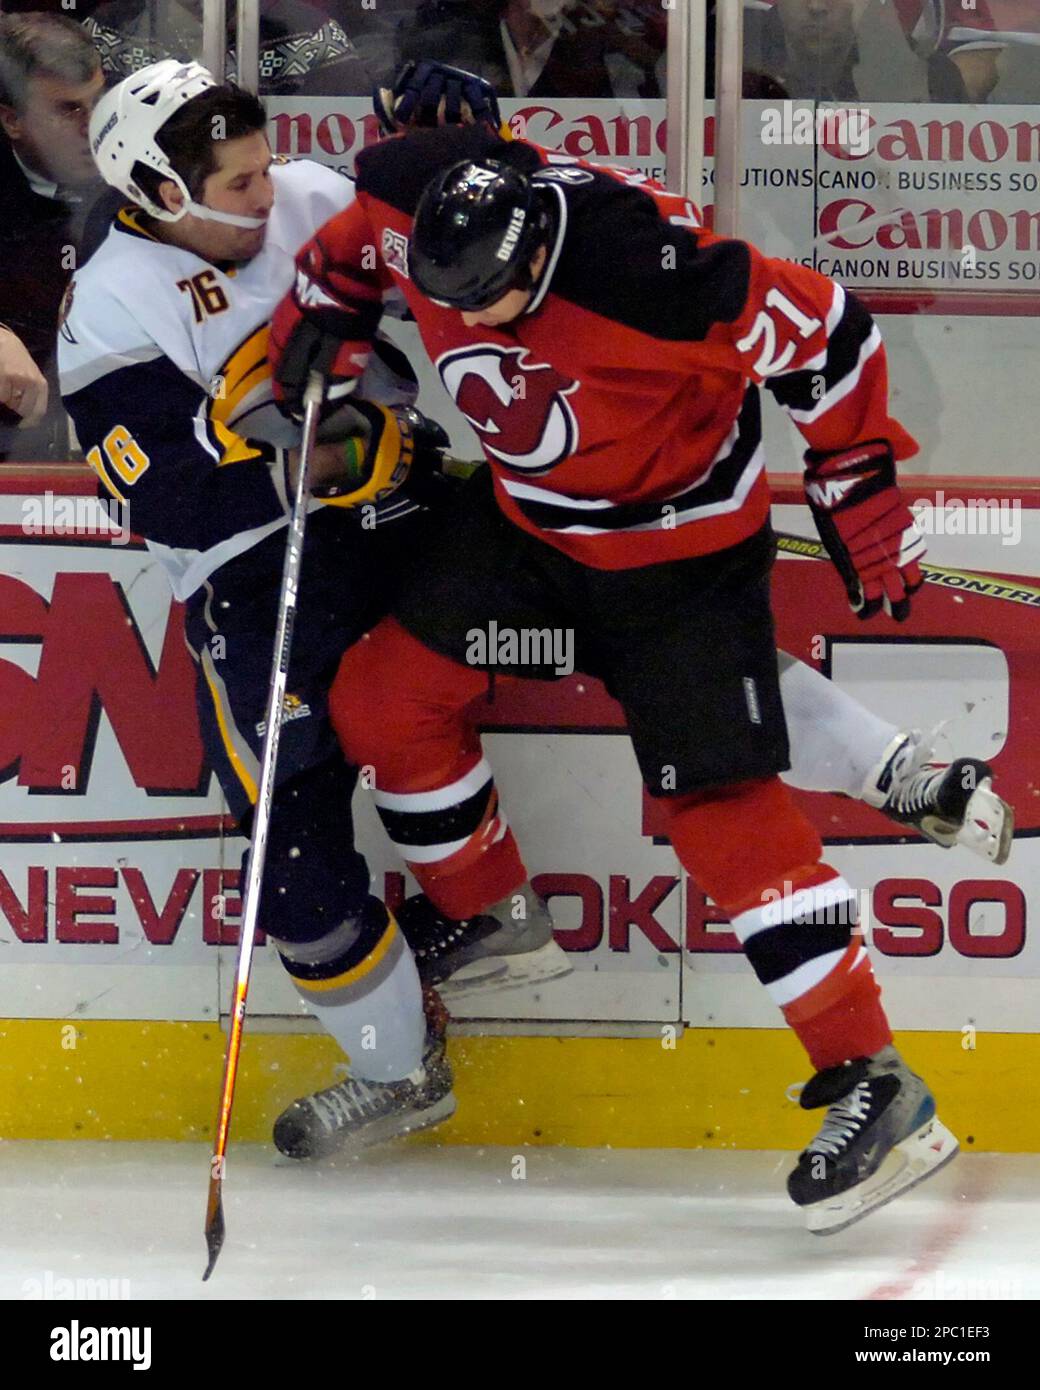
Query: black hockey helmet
x=477, y=228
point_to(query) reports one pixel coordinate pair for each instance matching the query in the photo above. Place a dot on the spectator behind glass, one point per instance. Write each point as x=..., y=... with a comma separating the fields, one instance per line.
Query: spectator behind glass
x=302, y=50
x=963, y=46
x=50, y=78
x=545, y=48
x=807, y=48
x=811, y=48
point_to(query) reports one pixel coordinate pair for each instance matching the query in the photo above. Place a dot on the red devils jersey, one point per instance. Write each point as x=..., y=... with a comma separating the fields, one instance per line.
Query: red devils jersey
x=620, y=413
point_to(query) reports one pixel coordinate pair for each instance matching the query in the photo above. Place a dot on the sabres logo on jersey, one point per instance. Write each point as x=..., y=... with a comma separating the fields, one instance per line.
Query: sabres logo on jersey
x=292, y=708
x=519, y=408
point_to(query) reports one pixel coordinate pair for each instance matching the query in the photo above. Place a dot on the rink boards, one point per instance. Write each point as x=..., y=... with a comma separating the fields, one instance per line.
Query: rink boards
x=118, y=879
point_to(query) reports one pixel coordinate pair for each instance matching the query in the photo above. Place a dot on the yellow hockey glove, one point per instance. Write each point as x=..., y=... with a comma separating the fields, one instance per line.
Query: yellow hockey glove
x=377, y=467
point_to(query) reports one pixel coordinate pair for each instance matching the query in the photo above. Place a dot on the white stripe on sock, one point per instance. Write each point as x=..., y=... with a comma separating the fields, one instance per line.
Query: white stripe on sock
x=440, y=798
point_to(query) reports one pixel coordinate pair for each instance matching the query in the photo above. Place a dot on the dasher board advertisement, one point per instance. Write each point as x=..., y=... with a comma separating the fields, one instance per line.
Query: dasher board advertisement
x=119, y=873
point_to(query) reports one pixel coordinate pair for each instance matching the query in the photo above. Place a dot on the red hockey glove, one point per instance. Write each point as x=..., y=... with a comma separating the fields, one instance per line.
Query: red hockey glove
x=300, y=342
x=326, y=323
x=866, y=527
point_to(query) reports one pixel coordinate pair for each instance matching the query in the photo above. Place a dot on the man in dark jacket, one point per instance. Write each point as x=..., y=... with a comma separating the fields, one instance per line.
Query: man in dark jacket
x=544, y=48
x=50, y=78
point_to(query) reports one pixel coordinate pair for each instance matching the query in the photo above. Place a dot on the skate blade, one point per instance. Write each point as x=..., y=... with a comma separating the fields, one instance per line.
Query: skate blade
x=988, y=828
x=383, y=1131
x=917, y=1157
x=548, y=962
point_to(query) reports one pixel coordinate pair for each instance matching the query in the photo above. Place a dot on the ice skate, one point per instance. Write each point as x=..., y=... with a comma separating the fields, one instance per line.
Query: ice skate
x=356, y=1114
x=879, y=1138
x=495, y=950
x=949, y=803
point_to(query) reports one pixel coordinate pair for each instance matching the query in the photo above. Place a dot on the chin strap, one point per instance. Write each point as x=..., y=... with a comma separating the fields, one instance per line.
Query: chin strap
x=229, y=219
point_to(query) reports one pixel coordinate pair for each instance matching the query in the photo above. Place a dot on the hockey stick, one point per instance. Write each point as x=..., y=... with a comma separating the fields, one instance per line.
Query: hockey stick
x=262, y=815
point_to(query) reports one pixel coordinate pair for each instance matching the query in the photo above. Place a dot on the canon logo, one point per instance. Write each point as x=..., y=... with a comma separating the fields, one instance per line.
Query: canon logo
x=935, y=229
x=303, y=133
x=941, y=141
x=594, y=136
x=346, y=127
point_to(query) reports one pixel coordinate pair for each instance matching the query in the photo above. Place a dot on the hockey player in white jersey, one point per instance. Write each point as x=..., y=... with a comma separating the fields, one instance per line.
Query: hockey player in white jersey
x=164, y=372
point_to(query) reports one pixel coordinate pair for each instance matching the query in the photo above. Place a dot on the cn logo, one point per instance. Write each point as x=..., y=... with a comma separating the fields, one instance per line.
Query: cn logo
x=518, y=407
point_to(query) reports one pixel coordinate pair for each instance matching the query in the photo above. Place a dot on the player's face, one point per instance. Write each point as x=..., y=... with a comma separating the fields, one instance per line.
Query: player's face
x=50, y=131
x=510, y=306
x=820, y=31
x=504, y=310
x=240, y=184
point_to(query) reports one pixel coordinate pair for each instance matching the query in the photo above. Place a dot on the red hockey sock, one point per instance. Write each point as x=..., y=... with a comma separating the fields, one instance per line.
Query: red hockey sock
x=739, y=839
x=843, y=1017
x=497, y=872
x=758, y=857
x=398, y=709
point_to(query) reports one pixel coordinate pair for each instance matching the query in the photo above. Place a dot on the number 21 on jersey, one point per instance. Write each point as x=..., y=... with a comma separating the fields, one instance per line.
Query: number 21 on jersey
x=764, y=331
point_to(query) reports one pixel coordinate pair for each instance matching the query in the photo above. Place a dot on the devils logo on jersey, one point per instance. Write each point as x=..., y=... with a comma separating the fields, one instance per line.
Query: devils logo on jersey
x=519, y=408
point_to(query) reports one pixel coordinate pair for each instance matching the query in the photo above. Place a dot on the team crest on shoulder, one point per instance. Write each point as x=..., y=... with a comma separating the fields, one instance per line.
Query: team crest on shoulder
x=519, y=408
x=395, y=251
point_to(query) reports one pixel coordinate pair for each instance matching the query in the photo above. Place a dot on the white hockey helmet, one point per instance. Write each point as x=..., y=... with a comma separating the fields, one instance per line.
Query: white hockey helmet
x=123, y=129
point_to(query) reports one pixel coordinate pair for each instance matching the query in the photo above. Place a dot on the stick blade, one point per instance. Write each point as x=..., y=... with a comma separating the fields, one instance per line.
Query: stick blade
x=214, y=1226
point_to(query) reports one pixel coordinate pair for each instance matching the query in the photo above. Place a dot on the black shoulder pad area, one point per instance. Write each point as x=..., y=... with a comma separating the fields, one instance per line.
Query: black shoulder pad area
x=623, y=260
x=397, y=170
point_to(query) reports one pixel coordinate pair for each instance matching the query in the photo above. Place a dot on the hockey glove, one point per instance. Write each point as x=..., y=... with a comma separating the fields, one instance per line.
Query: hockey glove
x=867, y=529
x=431, y=94
x=325, y=323
x=401, y=445
x=299, y=343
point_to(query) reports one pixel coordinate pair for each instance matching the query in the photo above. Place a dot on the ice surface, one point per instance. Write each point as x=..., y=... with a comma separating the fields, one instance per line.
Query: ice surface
x=431, y=1222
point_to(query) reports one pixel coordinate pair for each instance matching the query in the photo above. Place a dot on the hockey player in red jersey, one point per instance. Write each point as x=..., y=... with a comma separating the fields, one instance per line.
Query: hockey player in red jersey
x=608, y=351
